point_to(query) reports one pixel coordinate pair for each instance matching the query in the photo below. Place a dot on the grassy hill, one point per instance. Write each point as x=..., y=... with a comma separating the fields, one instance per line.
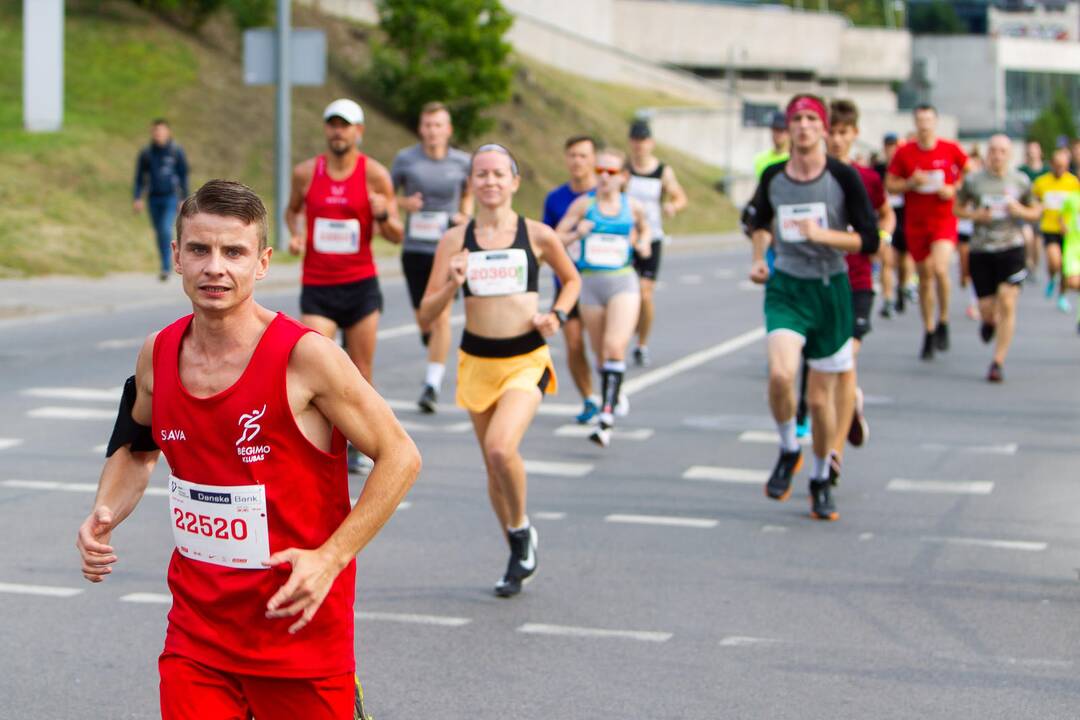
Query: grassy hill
x=65, y=198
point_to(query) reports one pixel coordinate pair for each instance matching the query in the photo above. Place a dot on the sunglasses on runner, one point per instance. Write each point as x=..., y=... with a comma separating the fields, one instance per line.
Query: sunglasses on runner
x=608, y=171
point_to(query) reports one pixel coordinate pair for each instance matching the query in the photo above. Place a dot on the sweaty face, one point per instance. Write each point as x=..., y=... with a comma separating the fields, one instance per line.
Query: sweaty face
x=580, y=159
x=807, y=129
x=435, y=129
x=342, y=136
x=492, y=179
x=220, y=261
x=841, y=139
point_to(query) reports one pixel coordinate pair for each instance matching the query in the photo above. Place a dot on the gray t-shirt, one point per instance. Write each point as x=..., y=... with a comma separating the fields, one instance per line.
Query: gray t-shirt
x=986, y=190
x=835, y=199
x=441, y=182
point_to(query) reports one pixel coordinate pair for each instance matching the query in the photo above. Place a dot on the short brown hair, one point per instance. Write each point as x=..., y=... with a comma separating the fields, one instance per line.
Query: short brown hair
x=843, y=112
x=433, y=107
x=575, y=139
x=227, y=199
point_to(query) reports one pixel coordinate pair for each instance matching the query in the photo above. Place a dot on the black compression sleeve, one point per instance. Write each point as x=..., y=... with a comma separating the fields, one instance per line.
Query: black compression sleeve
x=126, y=431
x=861, y=215
x=759, y=213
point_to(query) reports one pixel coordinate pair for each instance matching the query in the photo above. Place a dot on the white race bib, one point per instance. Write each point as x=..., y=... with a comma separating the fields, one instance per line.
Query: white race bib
x=1054, y=200
x=896, y=201
x=497, y=272
x=935, y=180
x=791, y=215
x=606, y=251
x=998, y=205
x=645, y=189
x=428, y=226
x=220, y=524
x=965, y=226
x=337, y=237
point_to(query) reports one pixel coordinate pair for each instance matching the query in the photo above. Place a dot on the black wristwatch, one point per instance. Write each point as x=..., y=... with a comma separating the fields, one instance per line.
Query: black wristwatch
x=381, y=218
x=560, y=315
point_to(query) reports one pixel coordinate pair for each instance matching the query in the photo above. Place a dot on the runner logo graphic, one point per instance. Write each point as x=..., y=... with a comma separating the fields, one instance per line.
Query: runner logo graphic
x=251, y=425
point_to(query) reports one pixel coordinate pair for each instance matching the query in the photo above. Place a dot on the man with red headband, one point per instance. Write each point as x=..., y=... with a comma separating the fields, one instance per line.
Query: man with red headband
x=808, y=205
x=927, y=172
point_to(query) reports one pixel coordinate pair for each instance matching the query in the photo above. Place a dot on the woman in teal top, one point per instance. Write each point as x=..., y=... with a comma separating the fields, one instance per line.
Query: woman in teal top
x=609, y=226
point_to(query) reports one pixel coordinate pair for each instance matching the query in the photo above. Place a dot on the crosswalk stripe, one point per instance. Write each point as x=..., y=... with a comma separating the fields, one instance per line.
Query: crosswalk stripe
x=726, y=474
x=562, y=469
x=1003, y=449
x=453, y=428
x=68, y=487
x=6, y=443
x=74, y=393
x=43, y=590
x=598, y=633
x=946, y=487
x=663, y=520
x=548, y=515
x=70, y=413
x=147, y=598
x=413, y=619
x=1023, y=545
x=584, y=431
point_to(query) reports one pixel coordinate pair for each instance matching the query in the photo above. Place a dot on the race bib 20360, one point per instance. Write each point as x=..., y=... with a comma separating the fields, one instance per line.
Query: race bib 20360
x=497, y=272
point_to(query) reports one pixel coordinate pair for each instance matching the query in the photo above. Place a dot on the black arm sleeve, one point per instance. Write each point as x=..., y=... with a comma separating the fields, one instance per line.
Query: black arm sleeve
x=860, y=213
x=759, y=214
x=126, y=431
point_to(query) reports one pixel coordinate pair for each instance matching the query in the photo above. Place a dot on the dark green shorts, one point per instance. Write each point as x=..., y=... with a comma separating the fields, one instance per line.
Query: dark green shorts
x=818, y=310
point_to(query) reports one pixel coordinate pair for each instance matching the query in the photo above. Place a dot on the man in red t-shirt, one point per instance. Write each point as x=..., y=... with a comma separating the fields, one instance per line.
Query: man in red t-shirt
x=928, y=172
x=843, y=131
x=252, y=411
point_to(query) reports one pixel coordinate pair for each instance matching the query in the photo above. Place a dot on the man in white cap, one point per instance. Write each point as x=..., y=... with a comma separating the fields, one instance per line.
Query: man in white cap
x=345, y=198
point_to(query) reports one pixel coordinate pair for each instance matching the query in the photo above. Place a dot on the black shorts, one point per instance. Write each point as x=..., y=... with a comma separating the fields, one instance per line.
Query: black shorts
x=963, y=238
x=649, y=267
x=990, y=269
x=345, y=304
x=862, y=306
x=417, y=269
x=1053, y=239
x=899, y=242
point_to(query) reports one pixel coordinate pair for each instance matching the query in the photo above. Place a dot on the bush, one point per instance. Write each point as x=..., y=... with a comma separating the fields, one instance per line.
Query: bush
x=447, y=51
x=246, y=13
x=1056, y=121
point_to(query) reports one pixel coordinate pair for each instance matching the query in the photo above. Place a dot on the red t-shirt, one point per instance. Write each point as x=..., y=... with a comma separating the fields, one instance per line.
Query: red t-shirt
x=339, y=227
x=945, y=163
x=859, y=266
x=246, y=436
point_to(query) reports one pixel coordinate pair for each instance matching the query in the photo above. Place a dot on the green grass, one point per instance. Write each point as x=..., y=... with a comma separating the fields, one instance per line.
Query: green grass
x=65, y=198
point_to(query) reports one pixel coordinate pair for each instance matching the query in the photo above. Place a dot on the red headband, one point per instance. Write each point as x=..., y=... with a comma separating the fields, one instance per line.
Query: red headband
x=812, y=104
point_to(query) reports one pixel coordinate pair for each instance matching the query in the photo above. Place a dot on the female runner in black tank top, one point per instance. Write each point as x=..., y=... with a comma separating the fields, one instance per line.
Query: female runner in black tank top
x=504, y=366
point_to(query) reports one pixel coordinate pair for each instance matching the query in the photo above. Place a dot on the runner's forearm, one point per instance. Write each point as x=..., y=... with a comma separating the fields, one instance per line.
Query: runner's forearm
x=433, y=304
x=123, y=481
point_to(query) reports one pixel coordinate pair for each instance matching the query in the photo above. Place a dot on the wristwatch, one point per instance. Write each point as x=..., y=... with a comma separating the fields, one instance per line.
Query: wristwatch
x=381, y=218
x=560, y=315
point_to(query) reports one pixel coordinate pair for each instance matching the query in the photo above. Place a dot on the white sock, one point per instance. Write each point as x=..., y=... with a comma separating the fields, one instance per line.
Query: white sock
x=788, y=440
x=524, y=526
x=821, y=468
x=435, y=372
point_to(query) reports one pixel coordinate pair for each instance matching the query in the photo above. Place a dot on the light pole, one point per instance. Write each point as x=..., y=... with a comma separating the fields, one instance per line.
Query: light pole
x=282, y=125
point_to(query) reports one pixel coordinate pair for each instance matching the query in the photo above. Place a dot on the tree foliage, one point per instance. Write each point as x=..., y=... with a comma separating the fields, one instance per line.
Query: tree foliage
x=452, y=52
x=246, y=13
x=1056, y=121
x=936, y=18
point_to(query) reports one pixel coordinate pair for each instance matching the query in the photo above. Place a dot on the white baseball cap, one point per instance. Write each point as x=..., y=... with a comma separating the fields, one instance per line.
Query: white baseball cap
x=345, y=109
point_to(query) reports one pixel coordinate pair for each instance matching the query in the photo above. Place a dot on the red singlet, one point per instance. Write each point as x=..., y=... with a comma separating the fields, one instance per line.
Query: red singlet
x=859, y=266
x=246, y=435
x=925, y=211
x=339, y=227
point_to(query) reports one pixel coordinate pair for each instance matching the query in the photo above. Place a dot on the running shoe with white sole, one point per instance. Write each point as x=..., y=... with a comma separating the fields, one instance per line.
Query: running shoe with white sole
x=822, y=506
x=778, y=487
x=622, y=406
x=522, y=565
x=1063, y=304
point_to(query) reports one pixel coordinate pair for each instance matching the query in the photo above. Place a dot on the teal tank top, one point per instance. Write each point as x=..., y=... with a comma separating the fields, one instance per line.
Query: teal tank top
x=608, y=248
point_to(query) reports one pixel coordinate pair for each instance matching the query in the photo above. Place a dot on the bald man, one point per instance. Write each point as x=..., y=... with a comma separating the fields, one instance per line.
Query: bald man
x=999, y=201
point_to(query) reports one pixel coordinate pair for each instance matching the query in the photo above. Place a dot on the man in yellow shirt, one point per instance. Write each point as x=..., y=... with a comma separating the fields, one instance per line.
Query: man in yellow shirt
x=1050, y=190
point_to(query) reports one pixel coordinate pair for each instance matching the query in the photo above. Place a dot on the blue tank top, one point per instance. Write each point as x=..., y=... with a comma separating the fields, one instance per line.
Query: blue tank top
x=608, y=248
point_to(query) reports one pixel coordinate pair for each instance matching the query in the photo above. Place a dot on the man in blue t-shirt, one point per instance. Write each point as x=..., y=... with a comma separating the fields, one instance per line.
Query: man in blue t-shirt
x=580, y=153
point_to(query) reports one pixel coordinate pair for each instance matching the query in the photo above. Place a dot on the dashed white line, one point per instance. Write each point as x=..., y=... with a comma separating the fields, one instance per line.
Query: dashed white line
x=410, y=329
x=440, y=620
x=68, y=487
x=1003, y=449
x=599, y=633
x=744, y=641
x=42, y=590
x=663, y=520
x=584, y=431
x=776, y=529
x=1022, y=545
x=562, y=469
x=6, y=443
x=691, y=279
x=70, y=413
x=147, y=598
x=942, y=487
x=724, y=273
x=692, y=361
x=769, y=437
x=726, y=474
x=120, y=343
x=100, y=449
x=549, y=515
x=863, y=537
x=749, y=286
x=452, y=428
x=74, y=393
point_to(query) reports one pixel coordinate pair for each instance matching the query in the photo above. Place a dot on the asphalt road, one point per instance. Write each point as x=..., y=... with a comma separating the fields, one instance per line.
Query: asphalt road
x=668, y=585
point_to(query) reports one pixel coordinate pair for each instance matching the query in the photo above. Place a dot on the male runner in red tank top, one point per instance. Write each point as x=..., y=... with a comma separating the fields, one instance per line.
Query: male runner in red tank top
x=252, y=410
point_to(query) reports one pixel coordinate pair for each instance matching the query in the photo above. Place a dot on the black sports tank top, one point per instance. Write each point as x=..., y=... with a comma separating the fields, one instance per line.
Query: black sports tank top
x=521, y=242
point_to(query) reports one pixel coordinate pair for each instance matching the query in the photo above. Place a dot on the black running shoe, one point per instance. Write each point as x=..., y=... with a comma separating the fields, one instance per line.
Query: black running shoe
x=522, y=565
x=429, y=400
x=986, y=331
x=899, y=302
x=941, y=337
x=886, y=309
x=994, y=374
x=779, y=485
x=822, y=506
x=927, y=346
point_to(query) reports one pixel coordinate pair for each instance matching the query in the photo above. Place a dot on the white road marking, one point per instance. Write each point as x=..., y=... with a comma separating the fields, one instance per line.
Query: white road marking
x=724, y=273
x=769, y=437
x=411, y=329
x=877, y=400
x=549, y=515
x=664, y=520
x=1023, y=545
x=74, y=393
x=584, y=431
x=749, y=286
x=51, y=412
x=691, y=279
x=743, y=641
x=946, y=487
x=100, y=449
x=441, y=620
x=583, y=632
x=45, y=590
x=563, y=469
x=120, y=343
x=725, y=474
x=863, y=537
x=6, y=443
x=774, y=529
x=413, y=426
x=1003, y=449
x=68, y=487
x=559, y=409
x=147, y=598
x=692, y=361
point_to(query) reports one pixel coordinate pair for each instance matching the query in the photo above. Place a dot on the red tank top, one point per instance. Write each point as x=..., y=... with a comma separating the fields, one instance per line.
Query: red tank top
x=339, y=227
x=247, y=435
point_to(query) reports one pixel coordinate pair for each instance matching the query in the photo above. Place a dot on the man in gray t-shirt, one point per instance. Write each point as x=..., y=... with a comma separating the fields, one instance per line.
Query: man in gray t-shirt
x=433, y=178
x=998, y=201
